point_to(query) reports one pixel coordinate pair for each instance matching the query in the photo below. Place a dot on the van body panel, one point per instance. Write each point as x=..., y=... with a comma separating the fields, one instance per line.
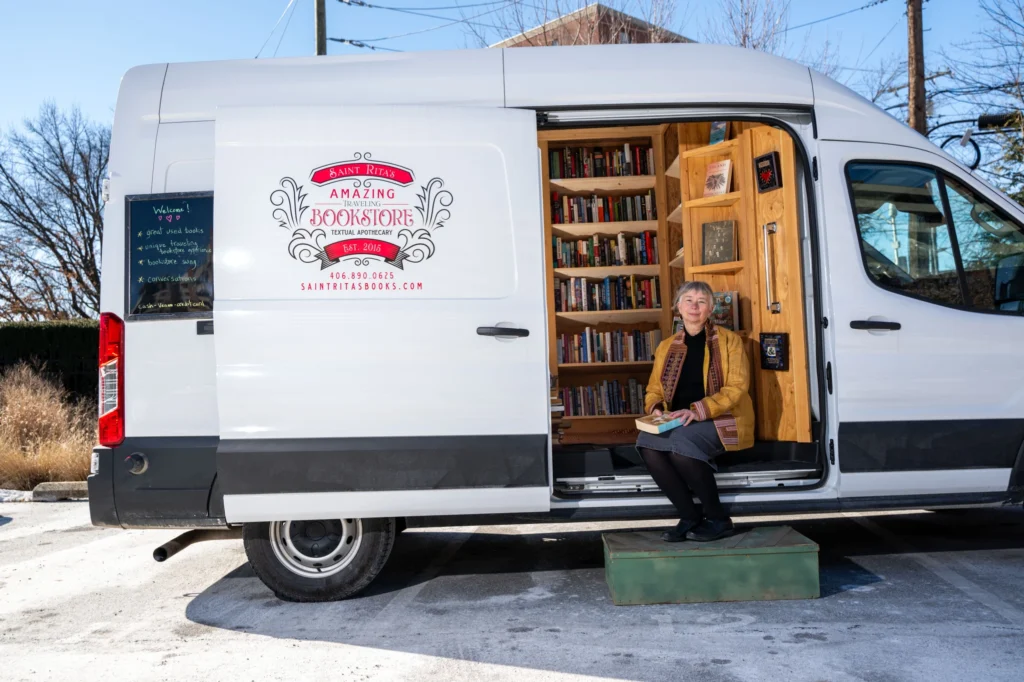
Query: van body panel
x=173, y=391
x=320, y=334
x=130, y=169
x=377, y=504
x=932, y=393
x=194, y=90
x=608, y=75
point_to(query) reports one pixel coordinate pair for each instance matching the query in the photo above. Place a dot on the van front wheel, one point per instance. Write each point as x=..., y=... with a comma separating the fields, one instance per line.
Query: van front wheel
x=323, y=560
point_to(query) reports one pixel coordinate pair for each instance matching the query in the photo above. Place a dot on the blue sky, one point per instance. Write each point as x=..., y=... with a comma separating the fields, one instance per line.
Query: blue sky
x=75, y=52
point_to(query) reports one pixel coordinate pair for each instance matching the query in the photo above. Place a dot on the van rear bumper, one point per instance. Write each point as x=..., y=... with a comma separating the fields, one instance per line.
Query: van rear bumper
x=176, y=489
x=102, y=511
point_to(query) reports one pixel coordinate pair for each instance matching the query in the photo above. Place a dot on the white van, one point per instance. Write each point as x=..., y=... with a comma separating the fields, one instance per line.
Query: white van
x=440, y=278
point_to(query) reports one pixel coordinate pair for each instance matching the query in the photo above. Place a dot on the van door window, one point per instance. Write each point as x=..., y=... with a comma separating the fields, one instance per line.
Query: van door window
x=904, y=235
x=992, y=251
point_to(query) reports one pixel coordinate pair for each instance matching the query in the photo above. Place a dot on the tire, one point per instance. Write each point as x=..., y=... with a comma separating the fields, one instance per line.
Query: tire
x=317, y=561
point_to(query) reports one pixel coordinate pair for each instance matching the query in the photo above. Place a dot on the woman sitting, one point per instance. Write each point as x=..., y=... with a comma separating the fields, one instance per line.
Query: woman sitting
x=700, y=375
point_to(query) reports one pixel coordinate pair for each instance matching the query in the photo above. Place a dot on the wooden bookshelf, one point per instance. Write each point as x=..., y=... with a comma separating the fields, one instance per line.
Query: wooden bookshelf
x=781, y=399
x=673, y=169
x=613, y=316
x=678, y=262
x=620, y=184
x=603, y=416
x=608, y=428
x=713, y=202
x=729, y=268
x=725, y=148
x=584, y=367
x=606, y=229
x=600, y=272
x=676, y=216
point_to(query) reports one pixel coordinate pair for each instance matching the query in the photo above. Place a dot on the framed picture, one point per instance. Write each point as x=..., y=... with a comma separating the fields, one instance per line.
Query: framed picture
x=719, y=242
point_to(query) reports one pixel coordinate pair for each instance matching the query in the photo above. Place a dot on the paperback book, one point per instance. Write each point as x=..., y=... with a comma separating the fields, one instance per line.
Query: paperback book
x=717, y=177
x=658, y=424
x=727, y=311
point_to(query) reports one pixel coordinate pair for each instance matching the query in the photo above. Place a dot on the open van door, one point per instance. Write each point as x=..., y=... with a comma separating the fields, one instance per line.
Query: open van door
x=380, y=324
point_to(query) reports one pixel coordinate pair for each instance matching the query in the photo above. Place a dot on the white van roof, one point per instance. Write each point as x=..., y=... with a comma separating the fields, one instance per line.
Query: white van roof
x=536, y=77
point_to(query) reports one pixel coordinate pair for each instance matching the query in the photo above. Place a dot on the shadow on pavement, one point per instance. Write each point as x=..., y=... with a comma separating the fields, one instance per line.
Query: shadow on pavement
x=502, y=594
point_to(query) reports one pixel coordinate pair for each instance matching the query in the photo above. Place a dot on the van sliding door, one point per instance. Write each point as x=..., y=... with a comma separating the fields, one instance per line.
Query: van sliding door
x=380, y=324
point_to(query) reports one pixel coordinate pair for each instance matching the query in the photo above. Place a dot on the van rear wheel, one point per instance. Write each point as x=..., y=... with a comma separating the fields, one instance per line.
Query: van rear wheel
x=323, y=560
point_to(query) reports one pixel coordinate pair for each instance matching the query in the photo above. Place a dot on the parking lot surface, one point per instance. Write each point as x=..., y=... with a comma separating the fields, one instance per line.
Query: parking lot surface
x=908, y=596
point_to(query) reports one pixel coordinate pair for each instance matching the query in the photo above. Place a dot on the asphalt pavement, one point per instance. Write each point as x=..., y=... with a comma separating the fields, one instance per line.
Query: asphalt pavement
x=909, y=596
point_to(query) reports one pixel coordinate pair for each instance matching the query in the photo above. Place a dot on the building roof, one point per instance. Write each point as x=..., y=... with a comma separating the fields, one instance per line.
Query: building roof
x=593, y=10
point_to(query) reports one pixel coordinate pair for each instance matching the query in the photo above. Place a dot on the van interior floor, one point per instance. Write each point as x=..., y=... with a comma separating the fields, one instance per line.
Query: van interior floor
x=584, y=469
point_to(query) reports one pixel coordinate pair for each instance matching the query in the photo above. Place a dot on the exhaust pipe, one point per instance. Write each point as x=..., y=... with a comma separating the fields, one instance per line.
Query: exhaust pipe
x=172, y=547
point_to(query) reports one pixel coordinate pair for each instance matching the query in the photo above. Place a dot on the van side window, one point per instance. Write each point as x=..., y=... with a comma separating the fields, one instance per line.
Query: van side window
x=992, y=251
x=904, y=235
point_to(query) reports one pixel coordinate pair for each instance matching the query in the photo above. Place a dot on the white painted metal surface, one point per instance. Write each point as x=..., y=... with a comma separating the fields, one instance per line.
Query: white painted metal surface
x=193, y=91
x=349, y=351
x=944, y=363
x=369, y=505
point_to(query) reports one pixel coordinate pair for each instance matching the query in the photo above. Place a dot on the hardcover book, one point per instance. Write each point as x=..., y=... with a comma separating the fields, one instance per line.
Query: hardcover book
x=726, y=312
x=719, y=242
x=658, y=424
x=716, y=180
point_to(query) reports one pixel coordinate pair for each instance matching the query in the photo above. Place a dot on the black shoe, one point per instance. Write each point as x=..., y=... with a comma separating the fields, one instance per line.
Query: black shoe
x=678, y=534
x=711, y=529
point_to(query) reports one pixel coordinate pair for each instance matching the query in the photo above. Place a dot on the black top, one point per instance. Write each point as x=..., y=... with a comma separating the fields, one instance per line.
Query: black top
x=690, y=388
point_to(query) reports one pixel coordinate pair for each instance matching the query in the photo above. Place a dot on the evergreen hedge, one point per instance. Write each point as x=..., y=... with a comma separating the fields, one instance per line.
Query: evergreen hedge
x=66, y=350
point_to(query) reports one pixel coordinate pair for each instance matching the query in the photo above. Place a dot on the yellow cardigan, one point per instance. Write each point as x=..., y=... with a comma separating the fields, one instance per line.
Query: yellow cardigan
x=732, y=398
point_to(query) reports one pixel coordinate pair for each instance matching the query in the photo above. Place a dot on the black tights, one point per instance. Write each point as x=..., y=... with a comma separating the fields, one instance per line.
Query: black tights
x=679, y=477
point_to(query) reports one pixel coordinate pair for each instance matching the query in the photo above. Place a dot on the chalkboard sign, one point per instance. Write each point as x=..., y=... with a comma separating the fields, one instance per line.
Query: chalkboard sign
x=170, y=254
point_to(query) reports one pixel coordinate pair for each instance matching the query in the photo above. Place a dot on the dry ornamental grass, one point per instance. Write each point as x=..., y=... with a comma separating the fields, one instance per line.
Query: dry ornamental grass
x=44, y=434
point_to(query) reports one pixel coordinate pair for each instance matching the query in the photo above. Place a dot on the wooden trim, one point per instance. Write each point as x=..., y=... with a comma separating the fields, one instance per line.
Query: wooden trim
x=600, y=272
x=610, y=228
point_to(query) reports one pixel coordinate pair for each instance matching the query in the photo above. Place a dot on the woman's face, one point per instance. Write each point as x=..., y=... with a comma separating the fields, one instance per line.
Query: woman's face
x=695, y=308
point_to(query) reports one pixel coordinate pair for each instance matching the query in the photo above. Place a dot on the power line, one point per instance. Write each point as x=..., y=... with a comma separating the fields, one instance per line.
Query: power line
x=879, y=43
x=360, y=3
x=874, y=3
x=359, y=43
x=286, y=25
x=502, y=5
x=286, y=8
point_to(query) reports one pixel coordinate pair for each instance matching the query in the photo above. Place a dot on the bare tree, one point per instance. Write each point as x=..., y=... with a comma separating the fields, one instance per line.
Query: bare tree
x=755, y=24
x=988, y=78
x=51, y=216
x=534, y=23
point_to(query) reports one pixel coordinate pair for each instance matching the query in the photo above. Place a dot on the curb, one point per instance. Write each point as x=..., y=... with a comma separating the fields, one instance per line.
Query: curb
x=64, y=490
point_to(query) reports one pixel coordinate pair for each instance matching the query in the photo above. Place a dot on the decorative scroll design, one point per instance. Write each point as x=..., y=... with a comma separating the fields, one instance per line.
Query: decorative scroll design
x=434, y=201
x=290, y=203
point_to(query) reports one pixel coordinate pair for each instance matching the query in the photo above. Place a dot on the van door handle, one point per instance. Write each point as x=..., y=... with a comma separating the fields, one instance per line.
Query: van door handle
x=502, y=331
x=875, y=324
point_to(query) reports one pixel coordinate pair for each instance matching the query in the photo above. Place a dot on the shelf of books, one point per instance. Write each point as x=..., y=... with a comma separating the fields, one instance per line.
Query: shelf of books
x=606, y=234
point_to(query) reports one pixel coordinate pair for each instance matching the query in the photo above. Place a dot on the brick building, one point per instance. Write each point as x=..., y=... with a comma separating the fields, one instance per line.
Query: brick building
x=592, y=25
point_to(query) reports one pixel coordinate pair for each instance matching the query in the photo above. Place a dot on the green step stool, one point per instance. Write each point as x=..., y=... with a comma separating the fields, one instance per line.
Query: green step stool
x=763, y=563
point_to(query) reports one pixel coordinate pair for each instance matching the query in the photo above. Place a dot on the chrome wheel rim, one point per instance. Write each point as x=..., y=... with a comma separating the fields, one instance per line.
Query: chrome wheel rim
x=316, y=549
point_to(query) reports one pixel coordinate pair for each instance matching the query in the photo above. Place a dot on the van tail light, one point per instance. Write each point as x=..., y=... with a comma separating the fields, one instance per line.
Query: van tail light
x=111, y=398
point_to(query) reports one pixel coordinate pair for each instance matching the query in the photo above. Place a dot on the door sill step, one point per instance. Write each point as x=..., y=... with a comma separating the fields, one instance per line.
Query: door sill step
x=646, y=484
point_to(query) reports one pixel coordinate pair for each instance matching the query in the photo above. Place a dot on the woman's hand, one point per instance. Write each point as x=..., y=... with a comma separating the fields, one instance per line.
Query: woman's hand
x=656, y=412
x=688, y=416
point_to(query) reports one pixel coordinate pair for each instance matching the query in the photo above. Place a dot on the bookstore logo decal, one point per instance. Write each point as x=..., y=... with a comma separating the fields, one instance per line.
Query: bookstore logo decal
x=361, y=212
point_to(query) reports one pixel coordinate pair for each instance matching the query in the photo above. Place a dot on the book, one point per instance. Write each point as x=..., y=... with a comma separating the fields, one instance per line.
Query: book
x=718, y=241
x=719, y=131
x=726, y=312
x=658, y=424
x=717, y=177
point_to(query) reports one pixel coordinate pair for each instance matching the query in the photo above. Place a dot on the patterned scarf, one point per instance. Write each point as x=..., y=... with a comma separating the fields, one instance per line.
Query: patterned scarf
x=725, y=424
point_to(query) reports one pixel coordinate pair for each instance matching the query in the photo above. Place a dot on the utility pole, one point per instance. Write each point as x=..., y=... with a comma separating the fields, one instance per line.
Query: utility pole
x=321, y=27
x=915, y=68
